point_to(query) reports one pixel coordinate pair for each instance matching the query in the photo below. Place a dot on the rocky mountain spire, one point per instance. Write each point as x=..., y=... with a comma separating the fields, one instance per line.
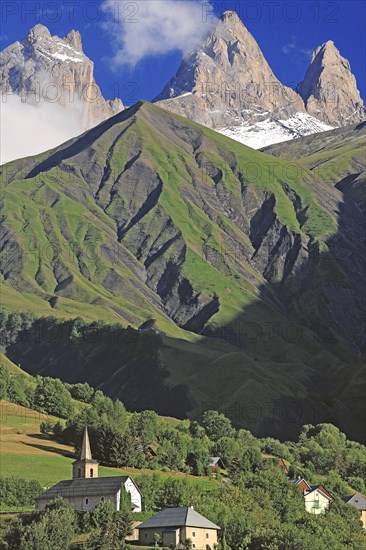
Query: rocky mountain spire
x=74, y=39
x=45, y=69
x=329, y=88
x=228, y=72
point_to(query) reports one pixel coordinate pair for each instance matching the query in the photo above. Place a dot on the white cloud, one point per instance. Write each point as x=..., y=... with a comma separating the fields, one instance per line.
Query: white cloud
x=27, y=129
x=155, y=27
x=289, y=48
x=297, y=53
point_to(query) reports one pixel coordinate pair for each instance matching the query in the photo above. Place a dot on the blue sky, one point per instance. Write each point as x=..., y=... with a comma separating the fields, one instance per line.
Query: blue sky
x=286, y=32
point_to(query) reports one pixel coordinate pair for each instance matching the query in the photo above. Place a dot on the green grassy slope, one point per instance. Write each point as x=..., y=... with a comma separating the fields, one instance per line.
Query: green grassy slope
x=232, y=252
x=26, y=453
x=331, y=155
x=68, y=246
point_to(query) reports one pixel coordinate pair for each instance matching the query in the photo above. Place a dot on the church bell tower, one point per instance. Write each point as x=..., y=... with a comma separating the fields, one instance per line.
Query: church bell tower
x=85, y=467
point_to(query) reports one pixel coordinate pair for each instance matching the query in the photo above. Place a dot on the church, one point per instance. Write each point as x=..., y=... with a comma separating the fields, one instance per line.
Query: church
x=86, y=490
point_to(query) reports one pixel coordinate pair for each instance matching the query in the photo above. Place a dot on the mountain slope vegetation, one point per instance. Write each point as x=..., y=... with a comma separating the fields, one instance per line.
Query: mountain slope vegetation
x=235, y=258
x=251, y=499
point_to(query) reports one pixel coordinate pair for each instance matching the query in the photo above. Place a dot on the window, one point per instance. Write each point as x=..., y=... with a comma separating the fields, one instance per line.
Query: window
x=79, y=472
x=101, y=499
x=91, y=472
x=86, y=501
x=193, y=546
x=193, y=533
x=207, y=535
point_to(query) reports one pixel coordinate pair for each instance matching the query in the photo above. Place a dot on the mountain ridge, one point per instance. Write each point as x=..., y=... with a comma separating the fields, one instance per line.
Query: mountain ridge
x=27, y=63
x=153, y=217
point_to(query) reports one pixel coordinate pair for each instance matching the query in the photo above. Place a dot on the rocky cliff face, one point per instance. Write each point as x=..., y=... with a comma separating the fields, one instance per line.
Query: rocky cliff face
x=44, y=69
x=173, y=199
x=329, y=88
x=228, y=81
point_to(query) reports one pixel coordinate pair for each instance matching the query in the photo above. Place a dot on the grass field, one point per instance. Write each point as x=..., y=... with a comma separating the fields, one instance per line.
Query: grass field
x=27, y=454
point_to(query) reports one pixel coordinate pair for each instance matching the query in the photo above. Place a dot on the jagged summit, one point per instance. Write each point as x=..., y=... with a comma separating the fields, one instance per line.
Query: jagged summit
x=37, y=32
x=40, y=33
x=329, y=88
x=74, y=39
x=228, y=59
x=227, y=84
x=232, y=20
x=230, y=15
x=42, y=58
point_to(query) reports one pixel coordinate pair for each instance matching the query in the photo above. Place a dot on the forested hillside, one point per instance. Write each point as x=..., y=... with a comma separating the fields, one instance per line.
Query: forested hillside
x=251, y=498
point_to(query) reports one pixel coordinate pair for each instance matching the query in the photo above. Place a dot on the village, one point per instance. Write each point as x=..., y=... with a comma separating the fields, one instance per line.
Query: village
x=177, y=528
x=81, y=470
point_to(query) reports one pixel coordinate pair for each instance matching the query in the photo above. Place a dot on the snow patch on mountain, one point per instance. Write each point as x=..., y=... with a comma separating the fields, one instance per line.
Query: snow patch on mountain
x=65, y=57
x=269, y=131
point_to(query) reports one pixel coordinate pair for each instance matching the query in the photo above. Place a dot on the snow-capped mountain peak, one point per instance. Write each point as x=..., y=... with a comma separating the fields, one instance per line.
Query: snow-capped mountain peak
x=228, y=85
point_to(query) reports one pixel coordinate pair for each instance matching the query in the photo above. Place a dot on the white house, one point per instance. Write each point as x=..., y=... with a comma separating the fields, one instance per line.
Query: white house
x=317, y=499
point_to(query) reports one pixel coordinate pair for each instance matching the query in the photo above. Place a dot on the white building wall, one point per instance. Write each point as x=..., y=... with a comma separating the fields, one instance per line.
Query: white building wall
x=311, y=503
x=136, y=500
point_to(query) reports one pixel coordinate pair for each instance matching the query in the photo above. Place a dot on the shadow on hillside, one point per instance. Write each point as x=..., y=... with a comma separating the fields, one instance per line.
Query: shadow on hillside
x=50, y=449
x=303, y=340
x=290, y=358
x=39, y=436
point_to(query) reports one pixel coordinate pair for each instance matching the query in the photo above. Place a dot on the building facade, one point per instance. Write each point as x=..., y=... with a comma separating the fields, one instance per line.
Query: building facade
x=317, y=500
x=176, y=525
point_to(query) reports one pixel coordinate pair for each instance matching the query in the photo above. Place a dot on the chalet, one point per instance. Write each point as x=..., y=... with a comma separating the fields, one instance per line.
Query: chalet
x=216, y=464
x=358, y=501
x=176, y=525
x=86, y=490
x=317, y=499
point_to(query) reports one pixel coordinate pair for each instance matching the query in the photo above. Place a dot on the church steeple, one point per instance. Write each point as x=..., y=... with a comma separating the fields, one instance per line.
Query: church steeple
x=85, y=467
x=85, y=448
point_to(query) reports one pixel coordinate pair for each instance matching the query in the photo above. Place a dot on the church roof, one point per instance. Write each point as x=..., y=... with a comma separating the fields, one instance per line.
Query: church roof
x=86, y=487
x=178, y=517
